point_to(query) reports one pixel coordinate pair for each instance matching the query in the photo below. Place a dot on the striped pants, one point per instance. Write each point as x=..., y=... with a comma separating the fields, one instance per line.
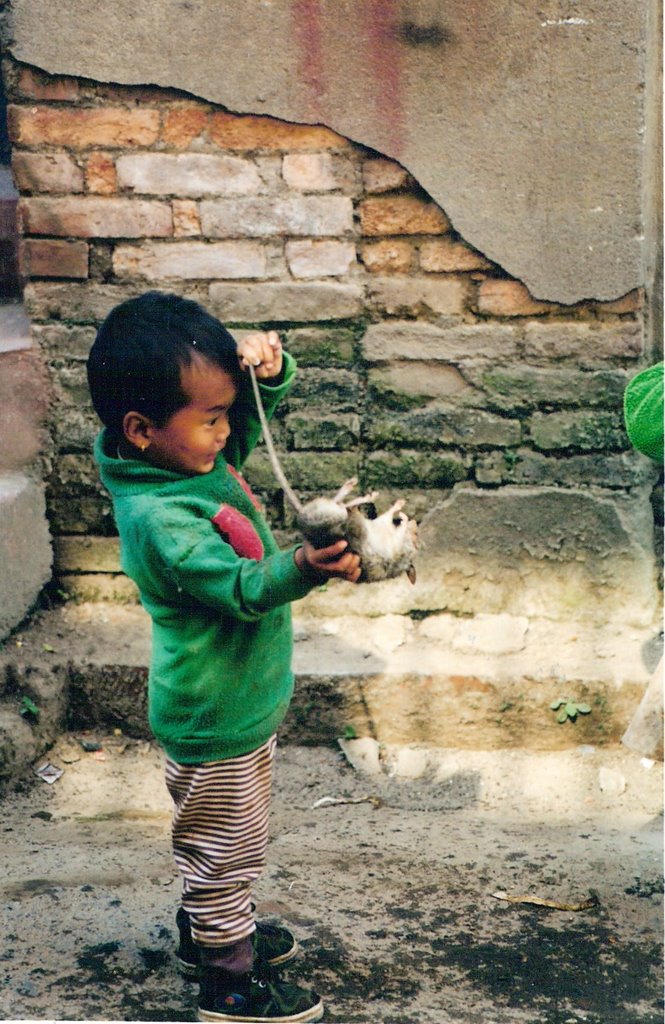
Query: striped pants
x=220, y=834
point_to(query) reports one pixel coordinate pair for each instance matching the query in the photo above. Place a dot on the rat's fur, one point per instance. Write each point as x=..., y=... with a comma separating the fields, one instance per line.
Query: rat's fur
x=386, y=545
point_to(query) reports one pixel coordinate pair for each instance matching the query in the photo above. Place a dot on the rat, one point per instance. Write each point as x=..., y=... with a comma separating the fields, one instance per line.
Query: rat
x=386, y=545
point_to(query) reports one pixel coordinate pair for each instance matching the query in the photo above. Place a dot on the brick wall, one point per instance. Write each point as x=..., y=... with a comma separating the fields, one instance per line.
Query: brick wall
x=422, y=365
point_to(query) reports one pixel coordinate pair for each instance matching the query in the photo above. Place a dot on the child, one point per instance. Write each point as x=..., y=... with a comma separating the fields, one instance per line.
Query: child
x=168, y=382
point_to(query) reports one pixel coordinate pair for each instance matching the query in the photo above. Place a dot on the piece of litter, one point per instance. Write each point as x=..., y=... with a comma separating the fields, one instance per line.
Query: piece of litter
x=647, y=763
x=328, y=801
x=587, y=904
x=49, y=773
x=90, y=746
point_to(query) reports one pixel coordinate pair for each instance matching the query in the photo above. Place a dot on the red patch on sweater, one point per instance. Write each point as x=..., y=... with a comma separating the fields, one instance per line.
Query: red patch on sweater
x=246, y=488
x=237, y=531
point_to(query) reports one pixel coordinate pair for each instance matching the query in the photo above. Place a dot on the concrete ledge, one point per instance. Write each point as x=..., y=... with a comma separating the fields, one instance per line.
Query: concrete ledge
x=483, y=683
x=14, y=328
x=25, y=548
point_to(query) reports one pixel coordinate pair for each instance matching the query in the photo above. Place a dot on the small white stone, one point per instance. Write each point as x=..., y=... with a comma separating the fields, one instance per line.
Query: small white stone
x=362, y=754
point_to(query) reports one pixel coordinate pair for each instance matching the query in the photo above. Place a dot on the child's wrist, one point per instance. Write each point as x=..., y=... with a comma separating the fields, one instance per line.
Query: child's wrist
x=277, y=379
x=308, y=570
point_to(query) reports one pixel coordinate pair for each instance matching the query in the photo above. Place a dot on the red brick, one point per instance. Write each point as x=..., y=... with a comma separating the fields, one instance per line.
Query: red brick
x=443, y=255
x=92, y=217
x=234, y=131
x=136, y=94
x=186, y=221
x=380, y=175
x=402, y=215
x=389, y=256
x=630, y=303
x=46, y=257
x=100, y=176
x=184, y=124
x=510, y=298
x=39, y=86
x=83, y=128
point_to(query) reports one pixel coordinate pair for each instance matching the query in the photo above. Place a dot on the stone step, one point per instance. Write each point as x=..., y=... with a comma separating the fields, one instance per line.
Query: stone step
x=482, y=683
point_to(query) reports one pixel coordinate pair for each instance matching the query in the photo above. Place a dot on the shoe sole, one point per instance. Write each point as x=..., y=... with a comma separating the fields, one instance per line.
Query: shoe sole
x=314, y=1013
x=192, y=972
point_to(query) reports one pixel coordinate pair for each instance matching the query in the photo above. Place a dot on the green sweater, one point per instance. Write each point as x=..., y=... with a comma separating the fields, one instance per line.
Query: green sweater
x=220, y=675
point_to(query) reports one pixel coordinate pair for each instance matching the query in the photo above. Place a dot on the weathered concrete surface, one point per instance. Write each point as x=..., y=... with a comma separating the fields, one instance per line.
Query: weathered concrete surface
x=25, y=547
x=569, y=554
x=392, y=904
x=483, y=683
x=528, y=125
x=577, y=555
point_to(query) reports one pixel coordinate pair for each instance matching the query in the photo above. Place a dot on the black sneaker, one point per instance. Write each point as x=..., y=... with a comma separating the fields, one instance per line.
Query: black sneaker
x=273, y=945
x=260, y=997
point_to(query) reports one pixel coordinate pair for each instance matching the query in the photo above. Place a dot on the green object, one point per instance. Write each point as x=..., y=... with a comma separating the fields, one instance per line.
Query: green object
x=643, y=411
x=220, y=675
x=28, y=708
x=568, y=709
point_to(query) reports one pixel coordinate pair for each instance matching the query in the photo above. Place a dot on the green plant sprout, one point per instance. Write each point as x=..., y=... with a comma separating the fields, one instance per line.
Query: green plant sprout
x=28, y=708
x=569, y=709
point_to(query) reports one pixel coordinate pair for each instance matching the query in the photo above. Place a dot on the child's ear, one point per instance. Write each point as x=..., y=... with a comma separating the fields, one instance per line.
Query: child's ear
x=137, y=429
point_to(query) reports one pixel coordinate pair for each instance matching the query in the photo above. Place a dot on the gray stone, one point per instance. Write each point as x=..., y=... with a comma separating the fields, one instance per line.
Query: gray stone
x=187, y=174
x=14, y=328
x=261, y=218
x=409, y=339
x=432, y=426
x=528, y=467
x=601, y=429
x=256, y=303
x=191, y=260
x=412, y=468
x=78, y=303
x=585, y=344
x=311, y=346
x=311, y=258
x=401, y=385
x=323, y=389
x=62, y=341
x=307, y=472
x=324, y=432
x=514, y=388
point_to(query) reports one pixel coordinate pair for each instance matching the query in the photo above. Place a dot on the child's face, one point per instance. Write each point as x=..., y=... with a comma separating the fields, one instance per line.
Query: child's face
x=191, y=439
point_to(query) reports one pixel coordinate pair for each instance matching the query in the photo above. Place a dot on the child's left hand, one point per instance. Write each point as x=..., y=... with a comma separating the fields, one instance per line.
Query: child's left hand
x=264, y=352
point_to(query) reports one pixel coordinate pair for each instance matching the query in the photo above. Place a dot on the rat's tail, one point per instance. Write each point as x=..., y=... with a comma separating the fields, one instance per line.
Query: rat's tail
x=274, y=460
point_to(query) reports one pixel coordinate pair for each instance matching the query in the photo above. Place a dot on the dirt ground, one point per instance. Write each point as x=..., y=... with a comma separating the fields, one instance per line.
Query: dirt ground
x=392, y=898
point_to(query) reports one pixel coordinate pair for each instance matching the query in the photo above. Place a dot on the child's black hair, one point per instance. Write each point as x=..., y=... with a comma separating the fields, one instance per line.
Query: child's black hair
x=140, y=349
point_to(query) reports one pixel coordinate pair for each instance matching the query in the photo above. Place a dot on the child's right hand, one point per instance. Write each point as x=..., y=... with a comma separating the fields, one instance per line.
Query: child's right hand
x=334, y=560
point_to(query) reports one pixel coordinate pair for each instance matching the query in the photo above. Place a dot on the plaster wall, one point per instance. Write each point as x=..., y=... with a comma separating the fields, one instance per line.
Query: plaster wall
x=526, y=122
